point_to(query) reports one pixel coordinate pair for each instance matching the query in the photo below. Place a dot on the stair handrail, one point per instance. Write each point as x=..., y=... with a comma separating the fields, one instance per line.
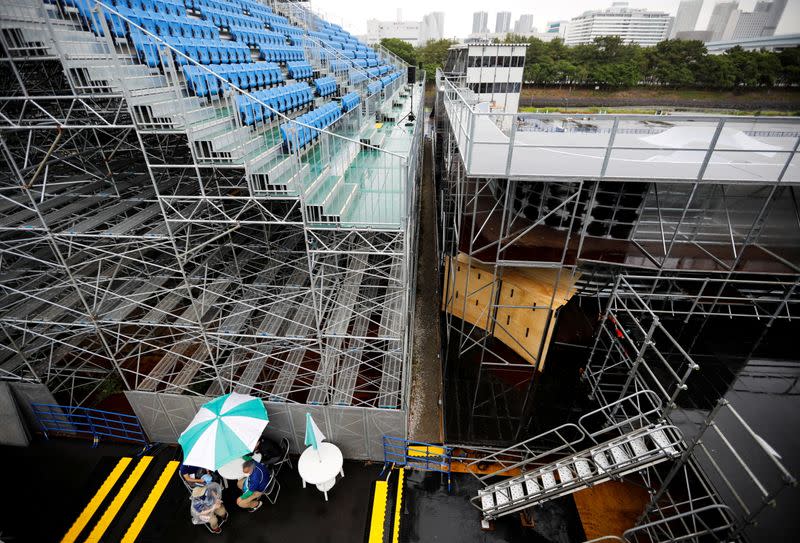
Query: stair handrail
x=597, y=472
x=224, y=81
x=655, y=408
x=524, y=449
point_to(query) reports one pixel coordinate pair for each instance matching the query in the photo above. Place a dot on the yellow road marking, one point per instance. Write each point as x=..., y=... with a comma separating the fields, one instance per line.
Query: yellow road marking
x=378, y=512
x=397, y=506
x=147, y=508
x=94, y=504
x=116, y=504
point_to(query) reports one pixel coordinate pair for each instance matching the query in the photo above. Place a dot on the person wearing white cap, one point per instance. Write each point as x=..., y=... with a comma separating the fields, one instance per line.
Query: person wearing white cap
x=207, y=507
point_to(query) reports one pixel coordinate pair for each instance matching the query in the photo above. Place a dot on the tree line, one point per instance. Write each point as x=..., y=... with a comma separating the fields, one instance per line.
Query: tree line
x=610, y=63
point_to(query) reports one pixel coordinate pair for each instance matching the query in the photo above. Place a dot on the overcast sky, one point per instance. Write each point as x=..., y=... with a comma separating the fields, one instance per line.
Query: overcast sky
x=353, y=14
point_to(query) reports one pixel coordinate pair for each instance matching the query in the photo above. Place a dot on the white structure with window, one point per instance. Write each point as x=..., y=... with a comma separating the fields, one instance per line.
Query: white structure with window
x=492, y=71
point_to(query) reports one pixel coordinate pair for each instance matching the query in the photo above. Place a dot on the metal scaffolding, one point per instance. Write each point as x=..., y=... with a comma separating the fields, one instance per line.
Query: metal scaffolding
x=160, y=239
x=660, y=234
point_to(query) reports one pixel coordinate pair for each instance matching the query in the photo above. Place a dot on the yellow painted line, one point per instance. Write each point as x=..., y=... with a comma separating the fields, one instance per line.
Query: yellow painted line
x=378, y=512
x=116, y=504
x=94, y=504
x=398, y=506
x=424, y=450
x=150, y=504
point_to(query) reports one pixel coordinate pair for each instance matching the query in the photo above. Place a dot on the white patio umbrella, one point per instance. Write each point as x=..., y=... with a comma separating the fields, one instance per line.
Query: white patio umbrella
x=224, y=429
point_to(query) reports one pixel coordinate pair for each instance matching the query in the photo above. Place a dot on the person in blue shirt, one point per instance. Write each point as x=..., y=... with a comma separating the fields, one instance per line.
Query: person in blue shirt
x=194, y=476
x=253, y=485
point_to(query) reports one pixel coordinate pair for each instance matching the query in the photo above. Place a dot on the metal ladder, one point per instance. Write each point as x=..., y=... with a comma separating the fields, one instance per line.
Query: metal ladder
x=636, y=443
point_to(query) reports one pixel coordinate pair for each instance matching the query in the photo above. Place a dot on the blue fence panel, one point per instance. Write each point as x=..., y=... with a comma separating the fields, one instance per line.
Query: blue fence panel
x=86, y=422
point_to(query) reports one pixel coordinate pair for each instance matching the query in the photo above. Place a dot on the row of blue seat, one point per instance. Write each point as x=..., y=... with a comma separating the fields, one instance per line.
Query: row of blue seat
x=350, y=101
x=210, y=51
x=164, y=7
x=378, y=71
x=170, y=25
x=299, y=70
x=385, y=81
x=283, y=99
x=296, y=136
x=325, y=85
x=227, y=19
x=281, y=53
x=286, y=29
x=255, y=37
x=245, y=76
x=220, y=5
x=374, y=87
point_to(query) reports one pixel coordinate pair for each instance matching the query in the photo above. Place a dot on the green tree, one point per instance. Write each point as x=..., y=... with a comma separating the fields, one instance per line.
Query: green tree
x=432, y=55
x=401, y=48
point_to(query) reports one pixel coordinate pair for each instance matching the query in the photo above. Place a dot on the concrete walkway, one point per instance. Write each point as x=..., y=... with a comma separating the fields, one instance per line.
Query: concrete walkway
x=425, y=413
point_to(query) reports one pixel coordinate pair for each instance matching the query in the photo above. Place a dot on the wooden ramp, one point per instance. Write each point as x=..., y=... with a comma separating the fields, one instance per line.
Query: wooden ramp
x=610, y=508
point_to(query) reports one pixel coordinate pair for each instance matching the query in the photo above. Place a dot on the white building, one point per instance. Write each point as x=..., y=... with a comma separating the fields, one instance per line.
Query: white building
x=408, y=31
x=414, y=32
x=723, y=11
x=558, y=28
x=632, y=25
x=493, y=72
x=503, y=22
x=432, y=27
x=524, y=24
x=480, y=22
x=686, y=18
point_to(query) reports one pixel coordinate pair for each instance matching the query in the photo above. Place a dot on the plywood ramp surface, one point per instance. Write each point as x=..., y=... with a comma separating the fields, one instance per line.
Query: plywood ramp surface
x=610, y=508
x=519, y=317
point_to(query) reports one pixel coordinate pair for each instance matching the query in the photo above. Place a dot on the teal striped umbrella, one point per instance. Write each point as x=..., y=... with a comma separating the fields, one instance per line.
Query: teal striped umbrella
x=224, y=429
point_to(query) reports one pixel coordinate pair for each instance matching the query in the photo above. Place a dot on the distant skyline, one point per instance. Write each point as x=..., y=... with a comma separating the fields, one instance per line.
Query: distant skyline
x=353, y=14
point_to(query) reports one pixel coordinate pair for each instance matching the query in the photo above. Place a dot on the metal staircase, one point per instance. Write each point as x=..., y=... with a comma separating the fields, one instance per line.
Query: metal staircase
x=629, y=441
x=613, y=459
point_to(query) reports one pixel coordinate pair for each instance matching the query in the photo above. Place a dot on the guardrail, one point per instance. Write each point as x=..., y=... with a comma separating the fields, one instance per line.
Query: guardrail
x=85, y=422
x=417, y=455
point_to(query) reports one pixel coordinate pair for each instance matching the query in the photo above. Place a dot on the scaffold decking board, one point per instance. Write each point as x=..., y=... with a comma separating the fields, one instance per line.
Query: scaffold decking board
x=25, y=214
x=24, y=310
x=108, y=299
x=162, y=309
x=131, y=302
x=163, y=368
x=131, y=223
x=283, y=384
x=100, y=217
x=252, y=371
x=62, y=213
x=56, y=310
x=347, y=375
x=280, y=312
x=27, y=351
x=197, y=311
x=189, y=369
x=338, y=323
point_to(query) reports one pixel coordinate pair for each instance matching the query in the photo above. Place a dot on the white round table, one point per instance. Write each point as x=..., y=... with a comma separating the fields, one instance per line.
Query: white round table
x=320, y=467
x=233, y=469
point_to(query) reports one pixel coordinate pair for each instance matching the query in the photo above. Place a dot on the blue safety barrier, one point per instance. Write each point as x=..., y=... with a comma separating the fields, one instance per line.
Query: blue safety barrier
x=418, y=455
x=85, y=422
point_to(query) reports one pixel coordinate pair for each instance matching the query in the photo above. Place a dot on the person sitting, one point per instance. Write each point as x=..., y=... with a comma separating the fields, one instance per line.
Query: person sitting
x=195, y=476
x=253, y=485
x=270, y=450
x=207, y=507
